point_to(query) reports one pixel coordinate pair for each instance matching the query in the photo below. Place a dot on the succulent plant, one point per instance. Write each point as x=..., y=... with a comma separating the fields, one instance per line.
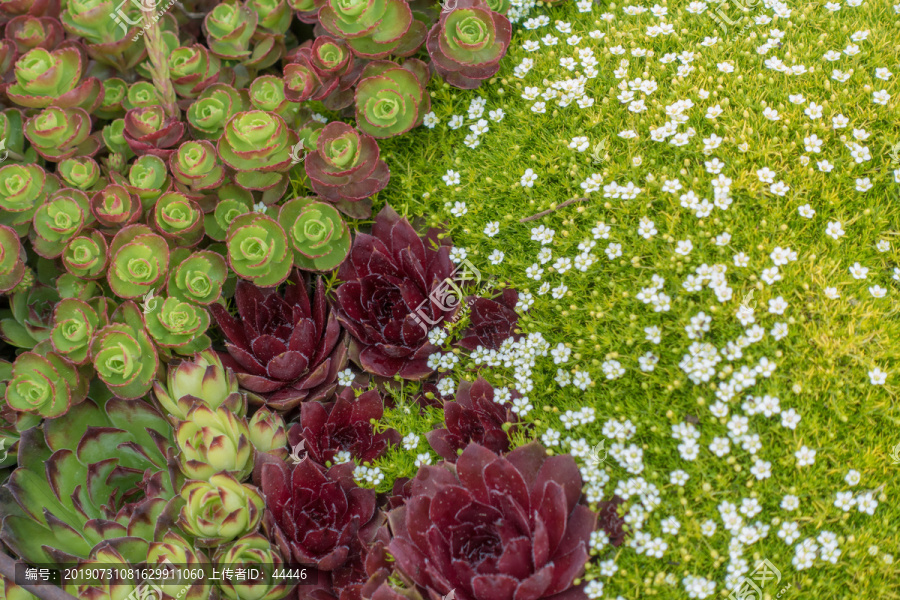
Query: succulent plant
x=229, y=29
x=28, y=320
x=196, y=166
x=344, y=426
x=108, y=28
x=53, y=78
x=268, y=434
x=388, y=311
x=59, y=220
x=59, y=133
x=74, y=324
x=82, y=173
x=148, y=179
x=139, y=261
x=258, y=250
x=390, y=99
x=178, y=219
x=149, y=131
x=173, y=549
x=252, y=551
x=234, y=201
x=44, y=383
x=22, y=189
x=220, y=509
x=257, y=144
x=345, y=168
x=467, y=43
x=12, y=259
x=193, y=69
x=197, y=277
x=286, y=348
x=115, y=207
x=123, y=354
x=491, y=321
x=485, y=493
x=274, y=15
x=373, y=29
x=213, y=440
x=319, y=236
x=28, y=32
x=178, y=325
x=86, y=256
x=203, y=380
x=326, y=71
x=96, y=476
x=267, y=94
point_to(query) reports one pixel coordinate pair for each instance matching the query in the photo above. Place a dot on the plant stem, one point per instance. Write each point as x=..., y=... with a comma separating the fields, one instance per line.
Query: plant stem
x=550, y=210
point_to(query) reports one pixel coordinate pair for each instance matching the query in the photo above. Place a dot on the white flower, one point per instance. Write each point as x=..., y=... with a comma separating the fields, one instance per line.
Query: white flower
x=459, y=209
x=430, y=120
x=877, y=376
x=411, y=441
x=451, y=177
x=805, y=456
x=528, y=178
x=492, y=228
x=852, y=478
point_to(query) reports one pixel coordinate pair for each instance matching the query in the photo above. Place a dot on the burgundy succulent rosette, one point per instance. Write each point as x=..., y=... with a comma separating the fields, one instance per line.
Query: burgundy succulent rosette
x=386, y=301
x=491, y=321
x=497, y=528
x=285, y=348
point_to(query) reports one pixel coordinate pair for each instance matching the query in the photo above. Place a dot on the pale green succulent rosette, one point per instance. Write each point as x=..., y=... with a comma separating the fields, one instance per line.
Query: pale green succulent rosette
x=175, y=550
x=390, y=99
x=58, y=133
x=193, y=69
x=123, y=355
x=203, y=380
x=139, y=262
x=220, y=510
x=251, y=551
x=197, y=277
x=27, y=322
x=44, y=384
x=22, y=189
x=229, y=29
x=114, y=92
x=319, y=236
x=274, y=15
x=212, y=441
x=114, y=138
x=82, y=173
x=74, y=324
x=258, y=250
x=373, y=28
x=178, y=218
x=178, y=325
x=257, y=144
x=108, y=27
x=141, y=94
x=59, y=220
x=234, y=201
x=148, y=178
x=208, y=114
x=196, y=166
x=267, y=93
x=45, y=78
x=268, y=433
x=86, y=255
x=115, y=207
x=12, y=259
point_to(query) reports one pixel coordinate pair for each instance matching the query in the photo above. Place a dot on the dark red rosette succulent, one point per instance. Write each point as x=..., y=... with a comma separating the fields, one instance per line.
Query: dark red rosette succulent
x=467, y=43
x=317, y=517
x=497, y=528
x=610, y=521
x=473, y=417
x=491, y=321
x=149, y=131
x=345, y=168
x=400, y=492
x=391, y=297
x=344, y=425
x=284, y=348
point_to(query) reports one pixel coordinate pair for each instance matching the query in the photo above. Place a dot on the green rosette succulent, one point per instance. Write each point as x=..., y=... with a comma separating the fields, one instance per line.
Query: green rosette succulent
x=74, y=324
x=22, y=189
x=115, y=207
x=108, y=28
x=27, y=32
x=233, y=202
x=173, y=549
x=193, y=69
x=45, y=78
x=44, y=384
x=10, y=591
x=100, y=585
x=258, y=250
x=203, y=380
x=373, y=28
x=319, y=236
x=229, y=29
x=220, y=510
x=139, y=262
x=178, y=325
x=251, y=551
x=95, y=478
x=70, y=286
x=86, y=255
x=274, y=15
x=114, y=138
x=58, y=133
x=268, y=433
x=257, y=144
x=390, y=99
x=197, y=277
x=82, y=173
x=12, y=259
x=123, y=355
x=178, y=218
x=208, y=114
x=147, y=179
x=59, y=220
x=212, y=441
x=196, y=166
x=114, y=93
x=267, y=93
x=27, y=322
x=141, y=94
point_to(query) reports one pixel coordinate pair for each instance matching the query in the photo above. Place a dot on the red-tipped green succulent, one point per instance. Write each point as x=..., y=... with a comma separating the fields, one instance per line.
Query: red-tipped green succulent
x=319, y=236
x=500, y=527
x=327, y=71
x=287, y=348
x=115, y=207
x=257, y=144
x=74, y=324
x=178, y=218
x=114, y=92
x=53, y=78
x=274, y=15
x=123, y=355
x=229, y=29
x=390, y=99
x=193, y=69
x=196, y=166
x=345, y=167
x=173, y=549
x=45, y=384
x=258, y=250
x=208, y=114
x=86, y=255
x=59, y=133
x=344, y=426
x=148, y=178
x=476, y=417
x=149, y=131
x=234, y=201
x=114, y=138
x=59, y=220
x=373, y=29
x=12, y=259
x=28, y=320
x=81, y=172
x=203, y=380
x=467, y=43
x=315, y=516
x=178, y=325
x=252, y=551
x=268, y=434
x=139, y=262
x=23, y=188
x=394, y=293
x=197, y=277
x=107, y=27
x=220, y=510
x=28, y=32
x=267, y=94
x=213, y=441
x=141, y=94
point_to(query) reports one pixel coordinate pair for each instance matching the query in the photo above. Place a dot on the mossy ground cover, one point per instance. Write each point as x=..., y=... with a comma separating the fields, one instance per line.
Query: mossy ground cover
x=785, y=156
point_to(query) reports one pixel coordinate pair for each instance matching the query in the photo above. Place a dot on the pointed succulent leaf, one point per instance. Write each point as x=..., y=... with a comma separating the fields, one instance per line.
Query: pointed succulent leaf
x=268, y=434
x=203, y=379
